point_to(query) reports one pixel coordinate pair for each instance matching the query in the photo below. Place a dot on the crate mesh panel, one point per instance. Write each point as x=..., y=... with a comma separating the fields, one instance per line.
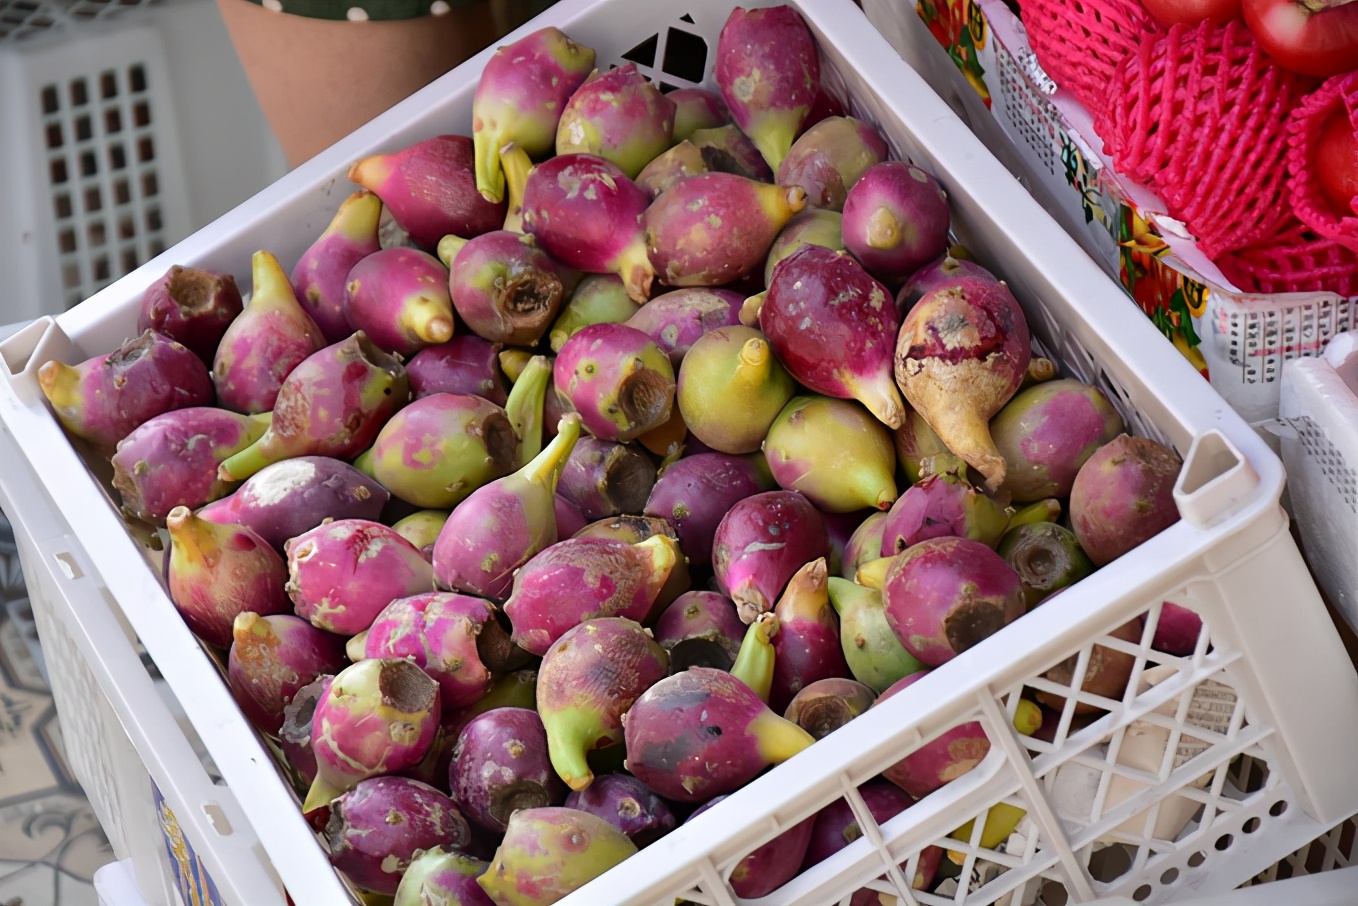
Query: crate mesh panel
x=21, y=19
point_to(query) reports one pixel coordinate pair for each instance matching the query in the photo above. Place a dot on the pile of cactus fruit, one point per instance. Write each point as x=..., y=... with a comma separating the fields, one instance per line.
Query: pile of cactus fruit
x=670, y=435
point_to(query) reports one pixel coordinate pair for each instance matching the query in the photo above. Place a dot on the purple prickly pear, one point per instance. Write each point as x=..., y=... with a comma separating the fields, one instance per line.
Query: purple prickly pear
x=697, y=108
x=700, y=629
x=617, y=378
x=605, y=478
x=465, y=364
x=731, y=387
x=294, y=735
x=371, y=848
x=547, y=853
x=587, y=681
x=761, y=542
x=828, y=159
x=768, y=72
x=683, y=160
x=937, y=274
x=772, y=865
x=1124, y=495
x=896, y=220
x=505, y=288
x=725, y=149
x=443, y=634
x=436, y=877
x=1047, y=432
x=1177, y=631
x=942, y=506
x=695, y=493
x=103, y=399
x=265, y=343
x=701, y=733
x=218, y=572
x=834, y=452
x=624, y=802
x=942, y=759
x=634, y=530
x=191, y=306
x=503, y=524
x=619, y=116
x=832, y=326
x=716, y=227
x=172, y=459
x=522, y=92
x=836, y=827
x=323, y=270
x=598, y=299
x=399, y=298
x=569, y=519
x=332, y=404
x=810, y=226
x=806, y=646
x=430, y=189
x=675, y=320
x=586, y=214
x=500, y=765
x=827, y=704
x=271, y=658
x=341, y=574
x=864, y=544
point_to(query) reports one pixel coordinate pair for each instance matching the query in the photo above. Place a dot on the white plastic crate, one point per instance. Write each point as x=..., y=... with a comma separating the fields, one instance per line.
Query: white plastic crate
x=1274, y=760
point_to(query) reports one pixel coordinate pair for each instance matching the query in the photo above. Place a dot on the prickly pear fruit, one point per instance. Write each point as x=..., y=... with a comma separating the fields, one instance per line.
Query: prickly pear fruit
x=271, y=658
x=700, y=629
x=768, y=72
x=1123, y=495
x=332, y=404
x=582, y=579
x=438, y=877
x=516, y=689
x=941, y=760
x=695, y=493
x=465, y=364
x=617, y=115
x=810, y=226
x=834, y=452
x=725, y=149
x=439, y=449
x=371, y=848
x=875, y=657
x=504, y=287
x=675, y=320
x=938, y=274
x=443, y=634
x=288, y=498
x=942, y=506
x=1045, y=433
x=598, y=299
x=716, y=227
x=503, y=524
x=527, y=408
x=399, y=298
x=754, y=661
x=588, y=679
x=772, y=865
x=516, y=164
x=944, y=595
x=605, y=478
x=697, y=108
x=500, y=765
x=864, y=544
x=520, y=97
x=172, y=459
x=681, y=161
x=827, y=704
x=421, y=529
x=103, y=399
x=1177, y=631
x=731, y=388
x=961, y=355
x=1046, y=557
x=430, y=189
x=218, y=572
x=294, y=735
x=323, y=270
x=569, y=519
x=836, y=827
x=828, y=159
x=920, y=452
x=806, y=646
x=548, y=853
x=586, y=213
x=896, y=220
x=341, y=574
x=831, y=324
x=1107, y=672
x=624, y=802
x=701, y=733
x=191, y=306
x=761, y=542
x=617, y=378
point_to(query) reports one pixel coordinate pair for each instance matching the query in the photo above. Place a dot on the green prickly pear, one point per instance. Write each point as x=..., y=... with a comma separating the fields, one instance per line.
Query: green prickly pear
x=833, y=451
x=876, y=658
x=548, y=853
x=731, y=389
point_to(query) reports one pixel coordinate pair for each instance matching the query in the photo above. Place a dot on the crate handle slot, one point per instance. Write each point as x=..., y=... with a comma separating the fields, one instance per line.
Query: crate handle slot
x=1216, y=479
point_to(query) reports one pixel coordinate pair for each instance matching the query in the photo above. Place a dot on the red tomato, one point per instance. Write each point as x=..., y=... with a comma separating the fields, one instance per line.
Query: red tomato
x=1336, y=163
x=1322, y=43
x=1191, y=12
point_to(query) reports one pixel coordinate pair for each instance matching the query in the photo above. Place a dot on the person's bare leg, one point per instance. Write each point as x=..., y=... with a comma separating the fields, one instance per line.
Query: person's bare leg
x=317, y=79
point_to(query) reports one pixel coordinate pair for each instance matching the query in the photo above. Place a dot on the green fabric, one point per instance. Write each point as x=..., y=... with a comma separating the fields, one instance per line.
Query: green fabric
x=379, y=10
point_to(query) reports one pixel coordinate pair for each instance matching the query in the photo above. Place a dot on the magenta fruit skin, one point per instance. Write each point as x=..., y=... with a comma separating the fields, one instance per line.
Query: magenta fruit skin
x=827, y=159
x=604, y=478
x=680, y=162
x=430, y=189
x=617, y=378
x=399, y=298
x=700, y=629
x=439, y=632
x=944, y=595
x=772, y=865
x=940, y=506
x=940, y=273
x=674, y=320
x=506, y=289
x=761, y=542
x=105, y=398
x=941, y=760
x=320, y=274
x=697, y=108
x=624, y=802
x=725, y=149
x=191, y=306
x=465, y=364
x=377, y=828
x=294, y=734
x=695, y=493
x=288, y=498
x=896, y=220
x=619, y=116
x=806, y=649
x=437, y=877
x=1178, y=630
x=864, y=544
x=273, y=657
x=342, y=574
x=836, y=827
x=569, y=519
x=172, y=460
x=1047, y=432
x=500, y=764
x=1123, y=496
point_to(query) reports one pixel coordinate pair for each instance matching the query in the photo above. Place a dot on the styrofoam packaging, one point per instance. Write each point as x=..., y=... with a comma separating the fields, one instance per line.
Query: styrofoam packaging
x=1046, y=138
x=1246, y=739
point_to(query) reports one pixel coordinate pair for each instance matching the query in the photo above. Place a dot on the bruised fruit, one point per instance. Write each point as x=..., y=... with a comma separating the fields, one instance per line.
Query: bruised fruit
x=806, y=646
x=1124, y=495
x=399, y=298
x=828, y=159
x=1045, y=433
x=675, y=320
x=942, y=506
x=761, y=542
x=191, y=306
x=465, y=364
x=439, y=877
x=271, y=658
x=323, y=270
x=606, y=478
x=617, y=378
x=694, y=494
x=681, y=161
x=823, y=706
x=942, y=759
x=619, y=116
x=731, y=388
x=895, y=220
x=810, y=226
x=1046, y=557
x=547, y=853
x=504, y=287
x=725, y=149
x=624, y=802
x=875, y=657
x=500, y=765
x=864, y=544
x=598, y=299
x=294, y=735
x=697, y=108
x=772, y=865
x=834, y=452
x=634, y=530
x=700, y=629
x=443, y=634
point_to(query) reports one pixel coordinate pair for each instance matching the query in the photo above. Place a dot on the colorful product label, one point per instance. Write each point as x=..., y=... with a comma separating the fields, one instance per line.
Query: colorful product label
x=191, y=878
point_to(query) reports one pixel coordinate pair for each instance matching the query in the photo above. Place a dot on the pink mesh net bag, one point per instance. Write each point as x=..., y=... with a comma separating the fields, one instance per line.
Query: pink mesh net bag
x=1295, y=261
x=1083, y=43
x=1313, y=206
